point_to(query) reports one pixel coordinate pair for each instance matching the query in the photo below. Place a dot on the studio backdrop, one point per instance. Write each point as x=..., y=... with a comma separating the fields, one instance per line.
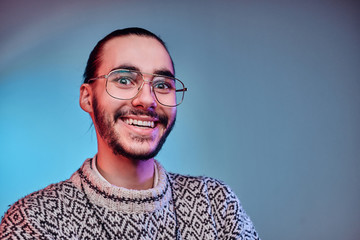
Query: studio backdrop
x=273, y=106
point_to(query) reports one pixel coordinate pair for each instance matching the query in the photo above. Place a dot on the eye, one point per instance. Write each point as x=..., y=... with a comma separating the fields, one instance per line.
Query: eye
x=121, y=81
x=124, y=80
x=161, y=85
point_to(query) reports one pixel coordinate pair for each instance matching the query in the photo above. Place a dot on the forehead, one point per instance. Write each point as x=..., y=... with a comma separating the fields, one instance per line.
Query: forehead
x=145, y=53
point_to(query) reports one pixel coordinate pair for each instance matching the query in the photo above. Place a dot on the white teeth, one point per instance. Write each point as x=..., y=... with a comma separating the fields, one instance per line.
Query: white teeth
x=131, y=121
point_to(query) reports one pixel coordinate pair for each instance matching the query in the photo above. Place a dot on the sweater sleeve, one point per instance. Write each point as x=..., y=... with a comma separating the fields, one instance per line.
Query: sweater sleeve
x=230, y=218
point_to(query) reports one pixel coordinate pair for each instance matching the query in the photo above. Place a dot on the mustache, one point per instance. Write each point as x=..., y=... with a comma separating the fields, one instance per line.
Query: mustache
x=163, y=119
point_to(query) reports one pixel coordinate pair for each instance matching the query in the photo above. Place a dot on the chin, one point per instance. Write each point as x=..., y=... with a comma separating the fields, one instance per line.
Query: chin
x=139, y=150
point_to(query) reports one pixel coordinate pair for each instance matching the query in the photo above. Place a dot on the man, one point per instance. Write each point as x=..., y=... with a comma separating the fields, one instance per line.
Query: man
x=131, y=94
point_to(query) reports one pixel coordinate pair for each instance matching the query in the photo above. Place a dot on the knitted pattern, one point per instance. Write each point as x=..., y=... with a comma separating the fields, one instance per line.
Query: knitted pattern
x=179, y=207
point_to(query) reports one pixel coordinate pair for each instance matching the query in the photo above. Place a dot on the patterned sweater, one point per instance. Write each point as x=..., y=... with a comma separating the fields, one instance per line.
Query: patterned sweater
x=83, y=207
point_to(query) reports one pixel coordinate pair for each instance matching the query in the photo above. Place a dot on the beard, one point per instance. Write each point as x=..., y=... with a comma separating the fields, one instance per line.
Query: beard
x=106, y=130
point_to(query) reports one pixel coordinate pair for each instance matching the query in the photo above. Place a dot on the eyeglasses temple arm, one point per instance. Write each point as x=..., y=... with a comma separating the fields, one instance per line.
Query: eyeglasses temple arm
x=96, y=78
x=181, y=90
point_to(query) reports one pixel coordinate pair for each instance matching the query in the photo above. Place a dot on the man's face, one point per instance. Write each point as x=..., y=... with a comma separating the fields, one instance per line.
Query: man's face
x=115, y=119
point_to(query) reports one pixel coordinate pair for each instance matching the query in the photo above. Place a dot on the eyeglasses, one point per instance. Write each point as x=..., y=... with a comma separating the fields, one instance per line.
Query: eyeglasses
x=124, y=84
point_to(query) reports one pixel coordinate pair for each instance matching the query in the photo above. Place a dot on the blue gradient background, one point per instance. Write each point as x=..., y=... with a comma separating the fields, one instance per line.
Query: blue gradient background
x=272, y=108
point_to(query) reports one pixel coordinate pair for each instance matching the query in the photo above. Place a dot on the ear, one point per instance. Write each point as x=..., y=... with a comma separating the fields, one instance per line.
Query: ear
x=86, y=98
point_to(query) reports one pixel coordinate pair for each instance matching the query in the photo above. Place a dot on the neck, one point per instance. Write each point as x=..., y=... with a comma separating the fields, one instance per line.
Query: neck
x=124, y=172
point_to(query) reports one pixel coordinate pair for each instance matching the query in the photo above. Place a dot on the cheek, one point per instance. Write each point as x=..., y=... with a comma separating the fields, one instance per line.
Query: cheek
x=111, y=105
x=170, y=113
x=172, y=117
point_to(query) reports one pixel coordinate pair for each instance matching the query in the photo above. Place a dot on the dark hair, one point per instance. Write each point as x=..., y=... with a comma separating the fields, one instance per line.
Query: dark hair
x=94, y=57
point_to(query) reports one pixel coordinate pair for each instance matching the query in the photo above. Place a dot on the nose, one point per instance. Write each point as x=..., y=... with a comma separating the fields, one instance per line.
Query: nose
x=145, y=98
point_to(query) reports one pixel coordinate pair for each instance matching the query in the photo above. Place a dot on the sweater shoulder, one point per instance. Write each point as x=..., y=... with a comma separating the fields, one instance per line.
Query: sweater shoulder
x=39, y=203
x=32, y=213
x=206, y=196
x=209, y=186
x=186, y=180
x=56, y=191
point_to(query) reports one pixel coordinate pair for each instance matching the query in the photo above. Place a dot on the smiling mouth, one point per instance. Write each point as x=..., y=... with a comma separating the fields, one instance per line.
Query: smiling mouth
x=139, y=123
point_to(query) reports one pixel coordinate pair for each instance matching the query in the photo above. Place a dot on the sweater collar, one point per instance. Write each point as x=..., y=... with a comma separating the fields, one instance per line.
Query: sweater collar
x=106, y=182
x=101, y=193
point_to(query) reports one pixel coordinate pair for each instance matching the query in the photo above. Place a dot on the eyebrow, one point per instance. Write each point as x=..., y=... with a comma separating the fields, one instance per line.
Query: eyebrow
x=164, y=71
